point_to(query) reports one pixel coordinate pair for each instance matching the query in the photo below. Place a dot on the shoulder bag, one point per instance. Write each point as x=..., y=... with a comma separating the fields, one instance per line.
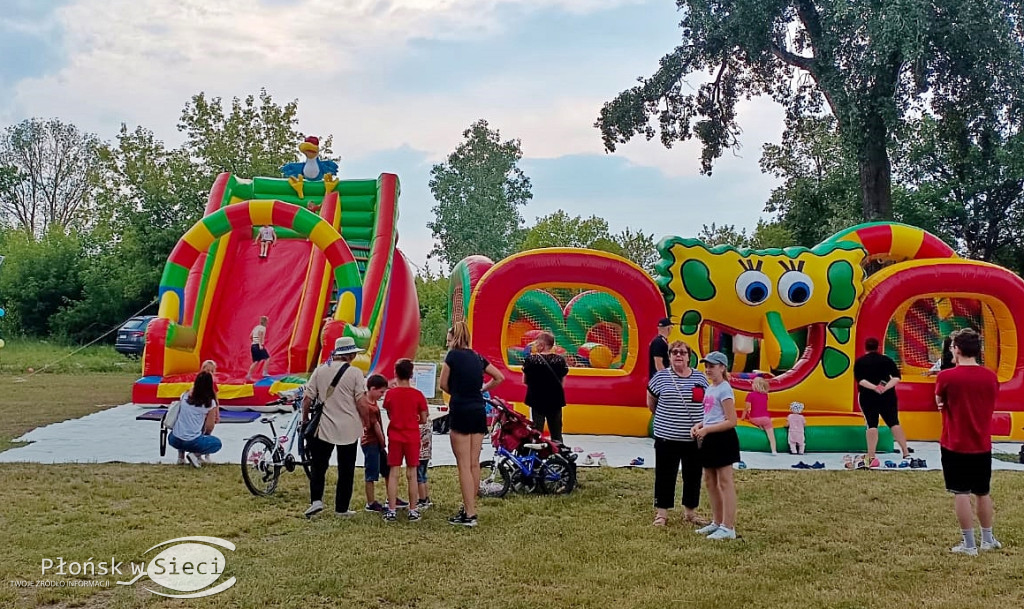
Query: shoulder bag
x=317, y=408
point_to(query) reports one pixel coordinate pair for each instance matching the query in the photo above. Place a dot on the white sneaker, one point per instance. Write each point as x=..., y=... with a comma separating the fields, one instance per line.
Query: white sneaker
x=960, y=548
x=193, y=459
x=711, y=528
x=991, y=545
x=347, y=514
x=182, y=461
x=723, y=533
x=314, y=508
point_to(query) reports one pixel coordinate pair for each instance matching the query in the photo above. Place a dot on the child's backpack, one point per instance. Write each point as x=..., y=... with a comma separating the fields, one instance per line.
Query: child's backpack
x=167, y=424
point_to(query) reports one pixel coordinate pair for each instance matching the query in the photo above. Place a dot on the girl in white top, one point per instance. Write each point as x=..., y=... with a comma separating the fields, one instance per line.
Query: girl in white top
x=719, y=447
x=266, y=236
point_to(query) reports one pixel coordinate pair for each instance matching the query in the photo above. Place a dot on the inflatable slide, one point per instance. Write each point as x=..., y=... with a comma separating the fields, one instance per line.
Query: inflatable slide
x=335, y=270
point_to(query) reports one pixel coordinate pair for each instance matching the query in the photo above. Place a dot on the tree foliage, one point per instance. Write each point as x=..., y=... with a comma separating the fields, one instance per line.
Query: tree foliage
x=252, y=138
x=559, y=229
x=479, y=190
x=964, y=180
x=871, y=64
x=819, y=195
x=143, y=196
x=766, y=235
x=46, y=172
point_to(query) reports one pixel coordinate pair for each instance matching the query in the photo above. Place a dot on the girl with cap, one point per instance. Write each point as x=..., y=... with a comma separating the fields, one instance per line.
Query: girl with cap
x=719, y=447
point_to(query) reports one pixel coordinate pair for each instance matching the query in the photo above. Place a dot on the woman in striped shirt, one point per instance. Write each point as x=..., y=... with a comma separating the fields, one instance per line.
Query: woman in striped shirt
x=675, y=396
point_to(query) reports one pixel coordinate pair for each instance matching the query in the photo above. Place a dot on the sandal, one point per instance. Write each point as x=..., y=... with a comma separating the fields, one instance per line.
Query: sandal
x=660, y=521
x=696, y=520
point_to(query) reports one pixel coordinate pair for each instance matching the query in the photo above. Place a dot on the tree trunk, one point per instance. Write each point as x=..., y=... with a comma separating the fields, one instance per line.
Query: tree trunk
x=875, y=171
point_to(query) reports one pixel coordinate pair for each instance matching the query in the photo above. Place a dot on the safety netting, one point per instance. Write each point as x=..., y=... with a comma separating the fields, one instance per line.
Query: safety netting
x=590, y=327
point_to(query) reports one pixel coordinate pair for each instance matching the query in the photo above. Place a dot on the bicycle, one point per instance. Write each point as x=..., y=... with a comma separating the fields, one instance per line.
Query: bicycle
x=263, y=458
x=528, y=472
x=524, y=461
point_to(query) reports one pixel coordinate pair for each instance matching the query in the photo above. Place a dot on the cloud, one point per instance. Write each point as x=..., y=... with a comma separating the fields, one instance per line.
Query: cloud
x=396, y=82
x=30, y=40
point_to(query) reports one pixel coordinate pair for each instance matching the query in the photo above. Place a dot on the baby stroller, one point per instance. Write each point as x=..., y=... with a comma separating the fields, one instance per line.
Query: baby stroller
x=524, y=461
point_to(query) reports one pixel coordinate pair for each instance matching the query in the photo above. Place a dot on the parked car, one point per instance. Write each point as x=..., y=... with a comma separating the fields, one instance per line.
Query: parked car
x=131, y=337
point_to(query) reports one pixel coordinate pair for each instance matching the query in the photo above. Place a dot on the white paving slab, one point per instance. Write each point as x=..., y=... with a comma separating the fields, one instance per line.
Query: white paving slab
x=114, y=435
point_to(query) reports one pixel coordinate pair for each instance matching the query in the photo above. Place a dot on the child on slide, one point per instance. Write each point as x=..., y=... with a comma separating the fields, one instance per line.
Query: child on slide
x=266, y=237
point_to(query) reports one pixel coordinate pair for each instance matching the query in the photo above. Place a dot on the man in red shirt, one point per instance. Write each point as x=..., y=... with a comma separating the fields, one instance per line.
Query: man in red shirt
x=966, y=396
x=407, y=409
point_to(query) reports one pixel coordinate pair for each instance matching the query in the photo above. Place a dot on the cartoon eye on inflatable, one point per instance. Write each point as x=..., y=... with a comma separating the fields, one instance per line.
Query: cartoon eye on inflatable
x=795, y=286
x=753, y=287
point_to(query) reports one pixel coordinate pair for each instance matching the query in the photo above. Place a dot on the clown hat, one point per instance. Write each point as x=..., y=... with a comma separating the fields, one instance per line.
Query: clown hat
x=311, y=144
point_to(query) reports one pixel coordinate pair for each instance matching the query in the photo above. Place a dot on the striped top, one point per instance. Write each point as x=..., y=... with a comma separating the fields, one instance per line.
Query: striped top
x=678, y=409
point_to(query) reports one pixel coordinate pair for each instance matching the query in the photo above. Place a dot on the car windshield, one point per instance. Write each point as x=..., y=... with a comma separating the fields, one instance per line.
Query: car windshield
x=134, y=324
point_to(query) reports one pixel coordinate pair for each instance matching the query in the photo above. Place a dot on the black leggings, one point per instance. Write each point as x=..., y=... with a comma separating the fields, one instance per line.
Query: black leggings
x=553, y=418
x=320, y=455
x=668, y=454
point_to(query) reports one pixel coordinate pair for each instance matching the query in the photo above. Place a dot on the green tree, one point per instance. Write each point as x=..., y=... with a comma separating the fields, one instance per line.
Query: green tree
x=964, y=180
x=820, y=193
x=432, y=292
x=770, y=234
x=253, y=138
x=48, y=171
x=725, y=234
x=871, y=64
x=39, y=278
x=479, y=190
x=559, y=229
x=638, y=247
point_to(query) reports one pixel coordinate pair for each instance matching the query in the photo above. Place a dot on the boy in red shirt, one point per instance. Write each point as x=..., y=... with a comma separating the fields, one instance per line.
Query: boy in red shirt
x=407, y=410
x=966, y=396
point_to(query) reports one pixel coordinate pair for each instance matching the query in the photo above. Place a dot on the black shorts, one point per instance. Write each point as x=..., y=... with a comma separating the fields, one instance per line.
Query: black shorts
x=258, y=353
x=468, y=420
x=872, y=410
x=719, y=449
x=967, y=473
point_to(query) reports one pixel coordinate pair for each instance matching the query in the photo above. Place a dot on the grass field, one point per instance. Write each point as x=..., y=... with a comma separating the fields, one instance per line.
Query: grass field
x=843, y=540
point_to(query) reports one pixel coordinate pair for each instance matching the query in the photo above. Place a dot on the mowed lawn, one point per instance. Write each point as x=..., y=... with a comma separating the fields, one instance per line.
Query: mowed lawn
x=809, y=539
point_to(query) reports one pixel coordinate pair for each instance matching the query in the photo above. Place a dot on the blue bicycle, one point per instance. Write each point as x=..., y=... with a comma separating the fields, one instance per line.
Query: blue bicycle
x=524, y=461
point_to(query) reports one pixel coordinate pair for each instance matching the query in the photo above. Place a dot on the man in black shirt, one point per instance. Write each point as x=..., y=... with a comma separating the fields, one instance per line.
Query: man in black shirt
x=657, y=352
x=877, y=376
x=543, y=375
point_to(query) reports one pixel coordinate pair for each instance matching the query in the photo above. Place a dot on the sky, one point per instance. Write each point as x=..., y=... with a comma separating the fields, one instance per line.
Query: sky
x=397, y=82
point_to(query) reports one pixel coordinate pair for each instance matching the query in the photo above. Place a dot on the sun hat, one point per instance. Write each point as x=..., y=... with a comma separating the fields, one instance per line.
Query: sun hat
x=345, y=345
x=715, y=357
x=796, y=407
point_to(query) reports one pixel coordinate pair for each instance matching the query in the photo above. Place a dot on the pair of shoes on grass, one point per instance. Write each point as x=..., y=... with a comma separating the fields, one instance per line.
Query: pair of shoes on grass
x=716, y=531
x=815, y=465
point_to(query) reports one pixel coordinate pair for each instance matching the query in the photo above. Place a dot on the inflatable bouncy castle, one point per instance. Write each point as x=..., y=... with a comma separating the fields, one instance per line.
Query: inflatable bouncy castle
x=796, y=316
x=334, y=270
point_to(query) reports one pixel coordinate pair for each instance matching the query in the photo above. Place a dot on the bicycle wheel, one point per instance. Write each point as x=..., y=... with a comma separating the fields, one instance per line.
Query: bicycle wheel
x=492, y=483
x=513, y=479
x=305, y=460
x=557, y=476
x=260, y=467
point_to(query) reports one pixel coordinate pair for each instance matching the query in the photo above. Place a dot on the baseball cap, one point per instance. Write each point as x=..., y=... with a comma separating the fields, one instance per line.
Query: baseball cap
x=665, y=322
x=715, y=357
